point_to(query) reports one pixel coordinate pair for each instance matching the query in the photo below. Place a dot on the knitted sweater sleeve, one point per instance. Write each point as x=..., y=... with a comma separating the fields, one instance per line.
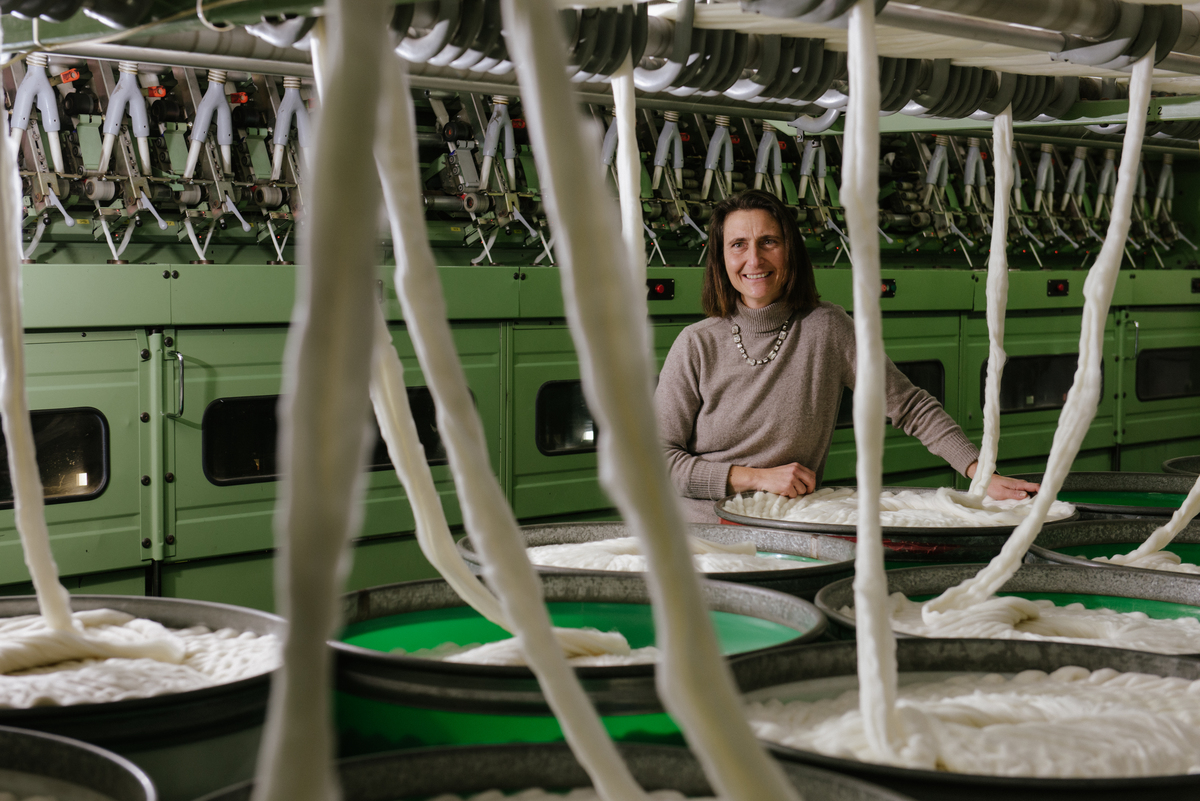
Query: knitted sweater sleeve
x=916, y=412
x=677, y=402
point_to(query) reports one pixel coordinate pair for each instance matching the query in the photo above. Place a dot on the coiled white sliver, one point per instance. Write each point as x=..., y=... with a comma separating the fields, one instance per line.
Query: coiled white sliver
x=944, y=508
x=877, y=672
x=197, y=658
x=624, y=554
x=1072, y=723
x=1082, y=399
x=997, y=300
x=1016, y=618
x=324, y=436
x=486, y=514
x=607, y=313
x=1150, y=554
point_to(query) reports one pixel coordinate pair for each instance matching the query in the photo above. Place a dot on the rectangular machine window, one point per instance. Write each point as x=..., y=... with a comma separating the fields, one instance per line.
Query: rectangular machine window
x=1033, y=383
x=1168, y=373
x=238, y=438
x=72, y=455
x=928, y=375
x=562, y=422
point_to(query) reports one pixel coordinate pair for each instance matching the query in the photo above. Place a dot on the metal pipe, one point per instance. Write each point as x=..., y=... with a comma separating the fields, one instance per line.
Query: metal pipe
x=1093, y=19
x=176, y=58
x=916, y=18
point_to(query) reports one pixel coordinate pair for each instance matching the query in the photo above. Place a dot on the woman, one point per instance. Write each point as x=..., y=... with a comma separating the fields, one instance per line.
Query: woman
x=748, y=399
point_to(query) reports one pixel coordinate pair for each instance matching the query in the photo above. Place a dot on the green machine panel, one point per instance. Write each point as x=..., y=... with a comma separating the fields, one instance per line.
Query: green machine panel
x=554, y=437
x=222, y=449
x=1160, y=378
x=1042, y=350
x=86, y=391
x=925, y=347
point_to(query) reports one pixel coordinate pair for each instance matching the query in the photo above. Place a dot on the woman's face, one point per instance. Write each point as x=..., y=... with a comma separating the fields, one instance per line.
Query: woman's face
x=756, y=258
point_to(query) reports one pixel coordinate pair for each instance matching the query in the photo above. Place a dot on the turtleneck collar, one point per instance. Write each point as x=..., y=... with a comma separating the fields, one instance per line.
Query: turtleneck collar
x=766, y=320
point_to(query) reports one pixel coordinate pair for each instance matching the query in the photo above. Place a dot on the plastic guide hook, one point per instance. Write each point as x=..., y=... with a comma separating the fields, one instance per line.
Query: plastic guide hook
x=128, y=93
x=719, y=147
x=769, y=158
x=667, y=136
x=291, y=106
x=36, y=86
x=214, y=102
x=499, y=121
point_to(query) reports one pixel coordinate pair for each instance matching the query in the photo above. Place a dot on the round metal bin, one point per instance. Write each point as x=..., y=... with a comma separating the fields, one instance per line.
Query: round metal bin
x=37, y=764
x=768, y=675
x=834, y=557
x=1182, y=465
x=1155, y=593
x=388, y=700
x=1078, y=543
x=429, y=772
x=903, y=546
x=189, y=743
x=1108, y=496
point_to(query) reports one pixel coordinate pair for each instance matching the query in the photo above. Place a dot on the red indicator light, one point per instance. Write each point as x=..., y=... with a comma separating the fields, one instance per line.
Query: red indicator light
x=783, y=145
x=238, y=98
x=518, y=123
x=685, y=137
x=659, y=288
x=737, y=140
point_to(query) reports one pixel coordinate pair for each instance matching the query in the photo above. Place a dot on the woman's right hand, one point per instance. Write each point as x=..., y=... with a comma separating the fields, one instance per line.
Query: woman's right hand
x=789, y=480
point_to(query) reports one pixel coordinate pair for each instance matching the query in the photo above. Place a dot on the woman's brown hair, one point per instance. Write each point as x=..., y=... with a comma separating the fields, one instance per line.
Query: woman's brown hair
x=719, y=298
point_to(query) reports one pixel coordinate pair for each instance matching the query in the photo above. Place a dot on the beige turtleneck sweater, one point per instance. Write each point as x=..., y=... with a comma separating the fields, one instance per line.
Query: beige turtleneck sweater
x=716, y=411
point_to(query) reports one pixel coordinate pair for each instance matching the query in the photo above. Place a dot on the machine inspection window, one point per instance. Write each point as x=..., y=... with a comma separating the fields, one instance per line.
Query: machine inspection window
x=1033, y=383
x=928, y=375
x=72, y=455
x=562, y=422
x=1168, y=373
x=238, y=438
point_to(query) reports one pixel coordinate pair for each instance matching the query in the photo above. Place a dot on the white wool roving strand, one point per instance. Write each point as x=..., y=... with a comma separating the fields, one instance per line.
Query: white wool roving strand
x=390, y=400
x=324, y=432
x=53, y=600
x=606, y=311
x=629, y=168
x=485, y=511
x=1084, y=395
x=877, y=670
x=997, y=300
x=1164, y=534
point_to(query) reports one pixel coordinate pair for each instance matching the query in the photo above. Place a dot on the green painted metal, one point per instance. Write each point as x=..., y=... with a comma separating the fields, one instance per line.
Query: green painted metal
x=1028, y=434
x=100, y=295
x=249, y=579
x=1148, y=329
x=907, y=338
x=100, y=370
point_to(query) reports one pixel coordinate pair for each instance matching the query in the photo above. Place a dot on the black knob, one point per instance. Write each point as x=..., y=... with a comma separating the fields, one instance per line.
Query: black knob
x=170, y=539
x=174, y=273
x=169, y=477
x=145, y=481
x=168, y=341
x=456, y=131
x=146, y=542
x=144, y=417
x=145, y=354
x=166, y=274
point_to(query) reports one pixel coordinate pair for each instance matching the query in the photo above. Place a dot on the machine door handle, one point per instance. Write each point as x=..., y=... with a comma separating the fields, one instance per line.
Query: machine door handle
x=179, y=412
x=1137, y=336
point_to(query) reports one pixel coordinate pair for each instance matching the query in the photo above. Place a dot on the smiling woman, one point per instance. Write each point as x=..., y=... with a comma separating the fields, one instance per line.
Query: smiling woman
x=748, y=399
